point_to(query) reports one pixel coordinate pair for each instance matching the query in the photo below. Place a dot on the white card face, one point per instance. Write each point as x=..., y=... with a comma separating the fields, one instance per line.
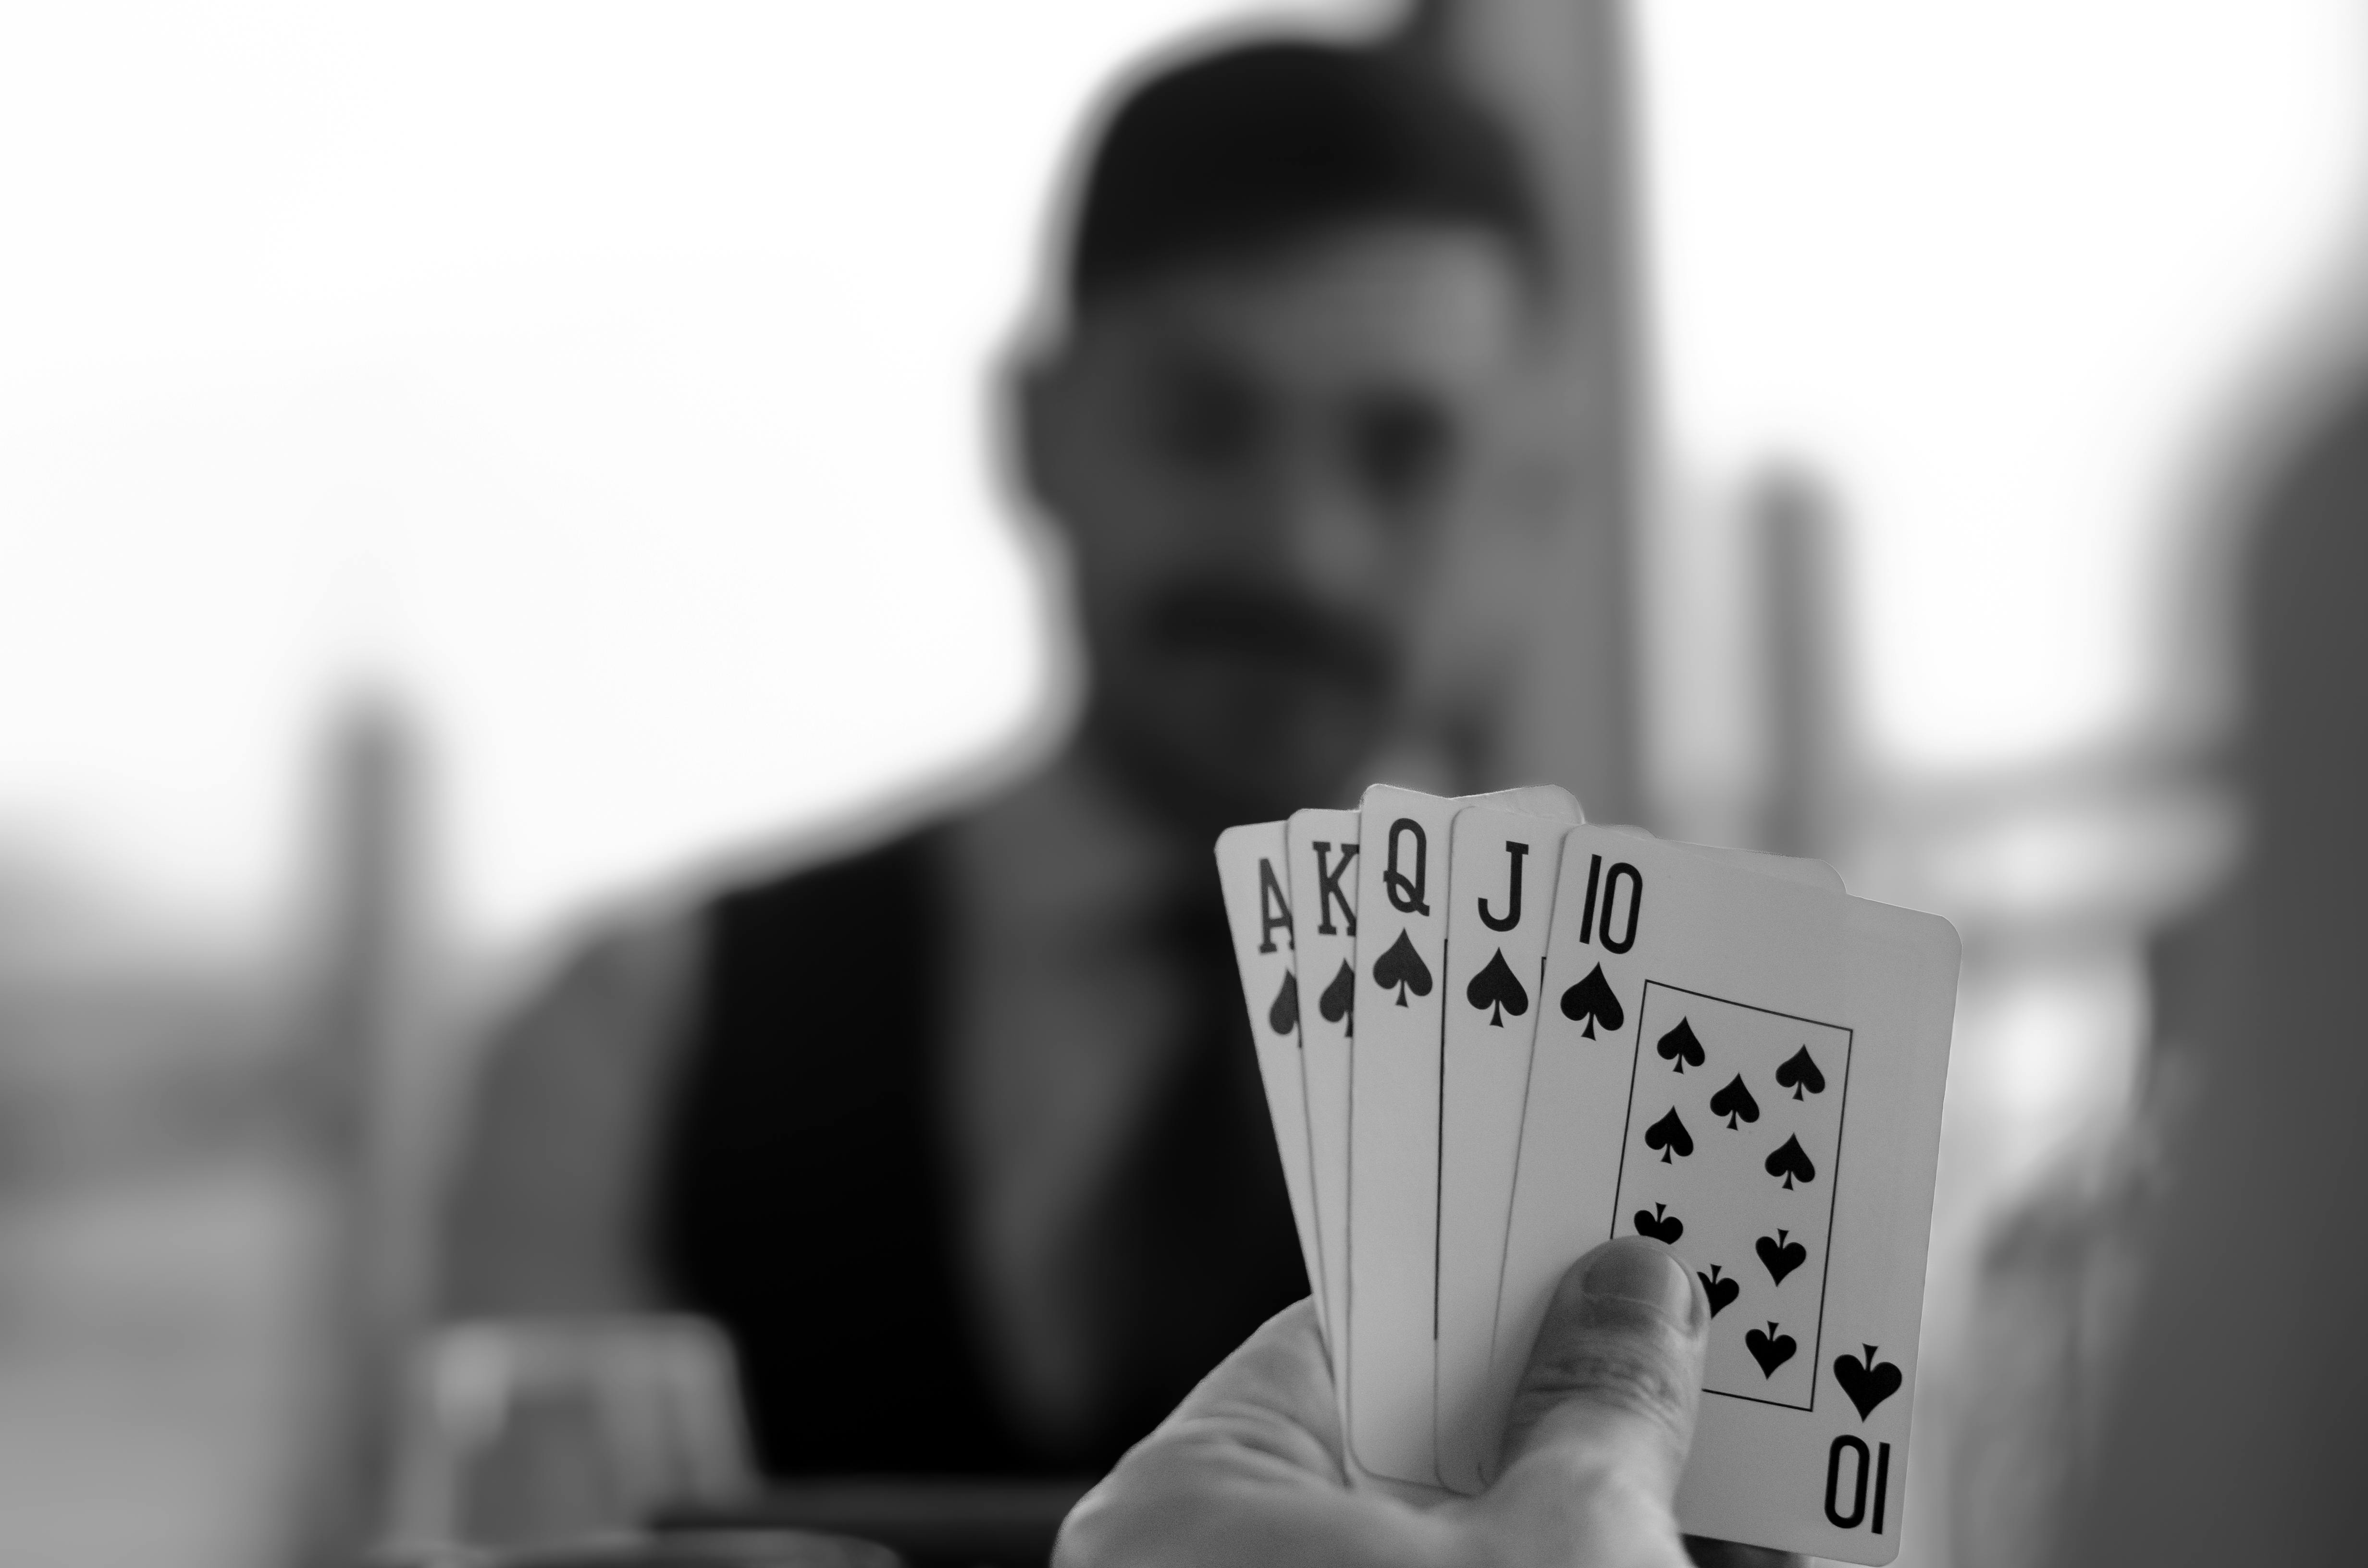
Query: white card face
x=1737, y=1176
x=1402, y=900
x=1389, y=1370
x=1680, y=996
x=1501, y=883
x=1476, y=1416
x=1322, y=846
x=1254, y=869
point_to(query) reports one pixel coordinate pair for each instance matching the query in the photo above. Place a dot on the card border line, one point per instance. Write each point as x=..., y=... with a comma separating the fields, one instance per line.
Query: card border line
x=1825, y=1276
x=1825, y=1272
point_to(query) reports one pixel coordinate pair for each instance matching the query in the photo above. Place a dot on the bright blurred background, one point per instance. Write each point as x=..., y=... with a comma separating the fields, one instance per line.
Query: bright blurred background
x=464, y=465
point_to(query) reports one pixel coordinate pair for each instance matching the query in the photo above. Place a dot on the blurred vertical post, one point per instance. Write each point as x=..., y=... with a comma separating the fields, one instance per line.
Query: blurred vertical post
x=361, y=1014
x=1799, y=581
x=1561, y=703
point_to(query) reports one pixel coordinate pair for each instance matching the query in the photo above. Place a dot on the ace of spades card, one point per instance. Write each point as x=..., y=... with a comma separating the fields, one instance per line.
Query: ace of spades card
x=1253, y=868
x=1750, y=1070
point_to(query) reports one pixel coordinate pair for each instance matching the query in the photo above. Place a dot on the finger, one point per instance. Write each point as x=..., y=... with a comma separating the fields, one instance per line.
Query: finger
x=1604, y=1411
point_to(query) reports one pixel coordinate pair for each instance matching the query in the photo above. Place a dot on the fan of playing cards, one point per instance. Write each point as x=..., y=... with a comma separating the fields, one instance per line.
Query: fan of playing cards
x=1493, y=1036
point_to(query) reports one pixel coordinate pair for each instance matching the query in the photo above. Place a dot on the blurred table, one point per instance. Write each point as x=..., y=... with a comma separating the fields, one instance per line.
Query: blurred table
x=930, y=1522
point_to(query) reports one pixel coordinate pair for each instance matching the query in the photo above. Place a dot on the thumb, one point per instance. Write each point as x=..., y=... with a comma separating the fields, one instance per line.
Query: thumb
x=1604, y=1413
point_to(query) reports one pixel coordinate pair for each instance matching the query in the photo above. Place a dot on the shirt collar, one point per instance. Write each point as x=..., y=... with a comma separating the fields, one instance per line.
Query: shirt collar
x=1070, y=847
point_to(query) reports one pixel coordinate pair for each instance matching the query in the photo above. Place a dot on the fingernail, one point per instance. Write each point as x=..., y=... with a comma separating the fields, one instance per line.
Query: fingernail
x=1644, y=1272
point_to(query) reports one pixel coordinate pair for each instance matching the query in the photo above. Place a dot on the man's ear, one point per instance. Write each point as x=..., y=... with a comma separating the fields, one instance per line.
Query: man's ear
x=1038, y=398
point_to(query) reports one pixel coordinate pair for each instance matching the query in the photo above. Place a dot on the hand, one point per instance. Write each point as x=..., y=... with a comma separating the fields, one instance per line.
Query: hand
x=1248, y=1468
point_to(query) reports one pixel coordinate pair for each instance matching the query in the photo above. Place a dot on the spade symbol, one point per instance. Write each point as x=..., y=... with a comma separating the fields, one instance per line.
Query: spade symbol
x=1590, y=1002
x=1722, y=1292
x=1800, y=1072
x=1734, y=1101
x=1402, y=969
x=1681, y=1046
x=1497, y=988
x=1781, y=1256
x=1662, y=1227
x=1770, y=1349
x=1792, y=1162
x=1283, y=1017
x=1338, y=997
x=1669, y=1135
x=1868, y=1382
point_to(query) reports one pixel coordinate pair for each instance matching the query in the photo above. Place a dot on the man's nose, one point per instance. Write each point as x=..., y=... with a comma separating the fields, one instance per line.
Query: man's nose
x=1324, y=534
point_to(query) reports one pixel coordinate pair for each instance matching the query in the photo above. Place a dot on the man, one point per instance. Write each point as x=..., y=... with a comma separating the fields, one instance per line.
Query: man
x=984, y=1089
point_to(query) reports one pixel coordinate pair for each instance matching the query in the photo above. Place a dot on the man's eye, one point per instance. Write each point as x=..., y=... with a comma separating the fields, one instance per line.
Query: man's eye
x=1401, y=447
x=1205, y=421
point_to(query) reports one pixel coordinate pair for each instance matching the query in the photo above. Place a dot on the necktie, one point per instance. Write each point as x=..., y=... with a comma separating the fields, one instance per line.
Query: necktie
x=1190, y=1245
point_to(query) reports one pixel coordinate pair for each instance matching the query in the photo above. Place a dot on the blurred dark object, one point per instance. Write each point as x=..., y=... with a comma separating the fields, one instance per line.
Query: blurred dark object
x=2233, y=1431
x=2057, y=1279
x=929, y=1523
x=2168, y=1336
x=804, y=1205
x=1256, y=149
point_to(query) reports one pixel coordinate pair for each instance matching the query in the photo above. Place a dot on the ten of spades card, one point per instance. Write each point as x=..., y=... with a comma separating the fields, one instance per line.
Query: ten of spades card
x=1478, y=1168
x=1750, y=1070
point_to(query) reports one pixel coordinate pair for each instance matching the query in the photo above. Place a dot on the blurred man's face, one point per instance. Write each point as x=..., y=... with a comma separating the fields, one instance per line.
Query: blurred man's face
x=1255, y=460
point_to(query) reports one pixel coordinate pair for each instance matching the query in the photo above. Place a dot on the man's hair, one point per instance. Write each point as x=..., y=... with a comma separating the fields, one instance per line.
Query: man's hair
x=1257, y=146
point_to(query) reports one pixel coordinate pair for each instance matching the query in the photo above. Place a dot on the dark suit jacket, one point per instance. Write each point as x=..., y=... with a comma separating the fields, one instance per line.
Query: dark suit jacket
x=806, y=1189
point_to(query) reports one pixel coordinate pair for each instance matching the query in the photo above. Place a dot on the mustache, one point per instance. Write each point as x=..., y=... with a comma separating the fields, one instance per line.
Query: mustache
x=1279, y=626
